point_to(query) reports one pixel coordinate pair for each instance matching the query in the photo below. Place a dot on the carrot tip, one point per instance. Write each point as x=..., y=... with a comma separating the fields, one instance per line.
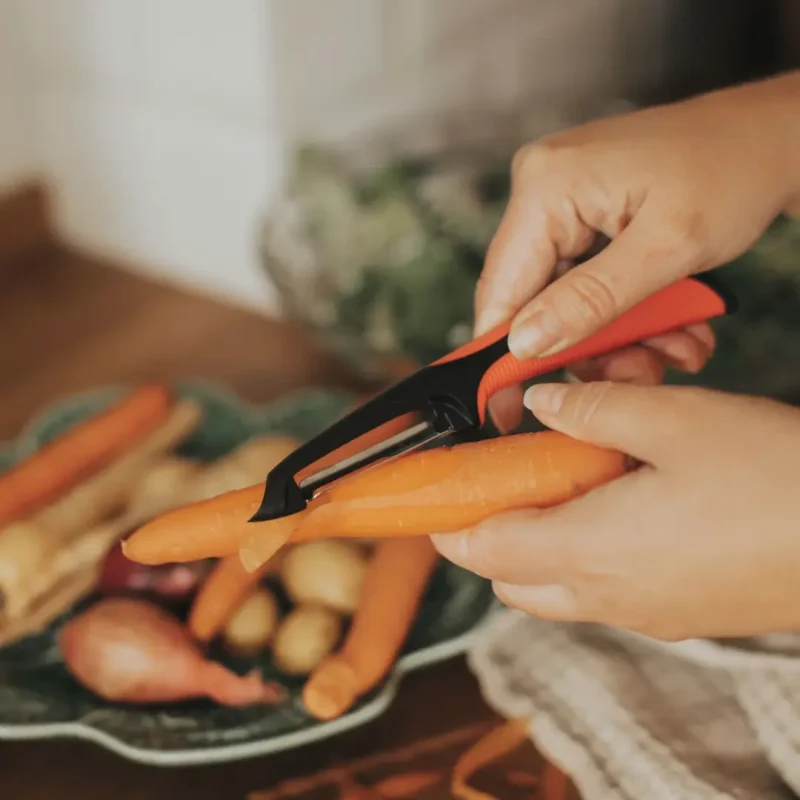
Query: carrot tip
x=331, y=690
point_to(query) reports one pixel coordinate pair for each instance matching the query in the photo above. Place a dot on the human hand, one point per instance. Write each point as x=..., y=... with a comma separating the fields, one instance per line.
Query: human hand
x=702, y=540
x=678, y=189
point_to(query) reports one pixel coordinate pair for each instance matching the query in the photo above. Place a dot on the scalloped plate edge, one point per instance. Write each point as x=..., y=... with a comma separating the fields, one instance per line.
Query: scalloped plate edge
x=27, y=441
x=234, y=752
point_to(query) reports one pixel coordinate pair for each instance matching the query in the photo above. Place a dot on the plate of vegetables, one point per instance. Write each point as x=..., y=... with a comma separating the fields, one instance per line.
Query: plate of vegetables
x=197, y=662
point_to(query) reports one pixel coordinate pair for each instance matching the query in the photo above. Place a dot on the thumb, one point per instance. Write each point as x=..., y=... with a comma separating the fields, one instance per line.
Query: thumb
x=645, y=422
x=633, y=266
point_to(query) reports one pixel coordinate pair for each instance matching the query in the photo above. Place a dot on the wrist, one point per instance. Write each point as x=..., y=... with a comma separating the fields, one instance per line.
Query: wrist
x=765, y=116
x=787, y=120
x=779, y=113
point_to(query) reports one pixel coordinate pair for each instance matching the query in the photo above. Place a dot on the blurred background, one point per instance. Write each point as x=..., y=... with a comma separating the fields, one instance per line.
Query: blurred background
x=268, y=195
x=166, y=134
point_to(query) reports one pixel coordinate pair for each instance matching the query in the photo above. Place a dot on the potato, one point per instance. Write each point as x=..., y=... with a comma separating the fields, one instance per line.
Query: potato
x=247, y=464
x=326, y=571
x=162, y=487
x=252, y=627
x=307, y=635
x=257, y=456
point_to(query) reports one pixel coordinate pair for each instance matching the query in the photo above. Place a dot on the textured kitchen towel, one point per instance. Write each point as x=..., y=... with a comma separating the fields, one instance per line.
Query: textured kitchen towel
x=633, y=719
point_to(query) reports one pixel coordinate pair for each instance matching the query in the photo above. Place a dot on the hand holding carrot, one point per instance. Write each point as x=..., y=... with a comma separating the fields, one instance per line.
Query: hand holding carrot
x=701, y=541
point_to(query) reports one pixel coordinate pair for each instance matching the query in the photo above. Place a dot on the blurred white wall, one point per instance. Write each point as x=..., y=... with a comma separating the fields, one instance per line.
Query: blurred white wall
x=155, y=125
x=161, y=124
x=350, y=64
x=17, y=152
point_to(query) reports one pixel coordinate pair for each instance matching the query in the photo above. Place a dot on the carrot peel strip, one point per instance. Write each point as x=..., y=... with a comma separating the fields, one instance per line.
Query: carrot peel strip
x=407, y=784
x=497, y=743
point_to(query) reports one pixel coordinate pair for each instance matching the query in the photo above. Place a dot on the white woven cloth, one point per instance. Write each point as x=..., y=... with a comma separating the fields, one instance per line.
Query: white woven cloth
x=629, y=718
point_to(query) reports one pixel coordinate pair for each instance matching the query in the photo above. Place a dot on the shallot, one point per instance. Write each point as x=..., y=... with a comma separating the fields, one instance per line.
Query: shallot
x=127, y=650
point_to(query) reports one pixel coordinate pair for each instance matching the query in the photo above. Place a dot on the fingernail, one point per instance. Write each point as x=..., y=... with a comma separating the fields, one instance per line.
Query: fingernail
x=678, y=351
x=552, y=600
x=488, y=320
x=546, y=398
x=535, y=335
x=453, y=546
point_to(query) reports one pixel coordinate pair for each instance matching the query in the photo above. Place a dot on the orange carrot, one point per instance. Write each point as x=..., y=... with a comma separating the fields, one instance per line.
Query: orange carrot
x=406, y=784
x=393, y=589
x=80, y=452
x=497, y=743
x=441, y=490
x=220, y=596
x=218, y=525
x=212, y=528
x=451, y=488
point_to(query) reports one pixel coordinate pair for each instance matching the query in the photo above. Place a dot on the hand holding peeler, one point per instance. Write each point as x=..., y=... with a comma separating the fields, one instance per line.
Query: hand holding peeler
x=452, y=394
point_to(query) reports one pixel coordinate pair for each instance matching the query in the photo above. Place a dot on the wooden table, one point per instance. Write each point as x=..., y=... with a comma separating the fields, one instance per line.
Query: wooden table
x=66, y=326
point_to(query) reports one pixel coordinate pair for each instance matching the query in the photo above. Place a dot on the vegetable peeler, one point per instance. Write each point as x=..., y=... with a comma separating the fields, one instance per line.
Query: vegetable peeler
x=451, y=395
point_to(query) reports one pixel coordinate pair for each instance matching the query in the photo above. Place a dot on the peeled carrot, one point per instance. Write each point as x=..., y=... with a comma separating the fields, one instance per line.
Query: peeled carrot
x=85, y=449
x=441, y=490
x=451, y=488
x=446, y=490
x=218, y=525
x=393, y=589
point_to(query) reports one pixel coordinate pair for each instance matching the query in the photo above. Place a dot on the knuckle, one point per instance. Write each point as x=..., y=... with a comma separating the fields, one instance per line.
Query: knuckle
x=585, y=401
x=687, y=235
x=529, y=159
x=588, y=299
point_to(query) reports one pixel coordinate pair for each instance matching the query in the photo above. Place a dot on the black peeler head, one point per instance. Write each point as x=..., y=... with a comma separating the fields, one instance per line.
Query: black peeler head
x=445, y=395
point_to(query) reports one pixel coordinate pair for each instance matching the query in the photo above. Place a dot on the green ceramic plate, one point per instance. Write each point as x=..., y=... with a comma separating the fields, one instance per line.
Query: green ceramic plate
x=39, y=699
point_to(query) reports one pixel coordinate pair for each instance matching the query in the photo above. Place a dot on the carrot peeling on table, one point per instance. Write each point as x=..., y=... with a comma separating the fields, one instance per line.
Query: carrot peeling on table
x=497, y=743
x=84, y=449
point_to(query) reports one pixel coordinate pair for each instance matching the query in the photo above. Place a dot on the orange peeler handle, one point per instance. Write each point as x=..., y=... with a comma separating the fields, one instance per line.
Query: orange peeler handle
x=686, y=302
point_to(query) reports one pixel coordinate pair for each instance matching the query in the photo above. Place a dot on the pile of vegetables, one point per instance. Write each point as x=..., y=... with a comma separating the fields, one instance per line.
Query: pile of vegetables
x=315, y=552
x=328, y=595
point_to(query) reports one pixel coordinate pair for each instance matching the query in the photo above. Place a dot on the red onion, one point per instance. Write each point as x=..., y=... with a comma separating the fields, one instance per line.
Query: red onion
x=132, y=651
x=173, y=581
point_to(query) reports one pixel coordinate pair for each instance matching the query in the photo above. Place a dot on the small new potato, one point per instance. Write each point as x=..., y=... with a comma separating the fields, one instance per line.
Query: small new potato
x=308, y=634
x=250, y=630
x=247, y=464
x=257, y=456
x=327, y=572
x=162, y=487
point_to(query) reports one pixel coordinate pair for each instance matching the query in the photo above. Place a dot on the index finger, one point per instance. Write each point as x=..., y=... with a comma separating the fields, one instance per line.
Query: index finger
x=532, y=238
